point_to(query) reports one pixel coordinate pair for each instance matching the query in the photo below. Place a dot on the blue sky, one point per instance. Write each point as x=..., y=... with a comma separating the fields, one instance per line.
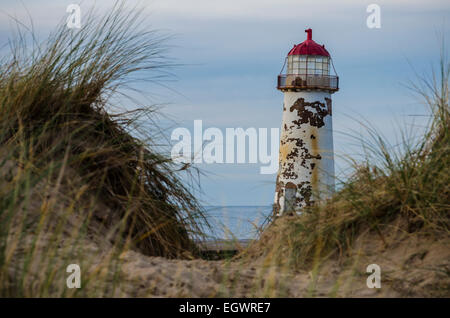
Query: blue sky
x=232, y=51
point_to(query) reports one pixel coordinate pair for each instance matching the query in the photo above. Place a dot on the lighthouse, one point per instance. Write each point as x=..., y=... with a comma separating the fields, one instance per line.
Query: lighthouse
x=306, y=160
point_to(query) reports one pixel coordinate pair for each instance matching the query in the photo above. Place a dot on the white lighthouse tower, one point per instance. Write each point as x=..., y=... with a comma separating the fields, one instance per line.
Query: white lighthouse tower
x=306, y=163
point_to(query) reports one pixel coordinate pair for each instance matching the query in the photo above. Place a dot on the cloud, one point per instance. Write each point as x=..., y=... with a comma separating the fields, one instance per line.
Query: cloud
x=281, y=9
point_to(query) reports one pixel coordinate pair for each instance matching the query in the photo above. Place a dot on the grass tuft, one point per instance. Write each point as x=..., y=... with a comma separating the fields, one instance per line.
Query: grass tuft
x=57, y=136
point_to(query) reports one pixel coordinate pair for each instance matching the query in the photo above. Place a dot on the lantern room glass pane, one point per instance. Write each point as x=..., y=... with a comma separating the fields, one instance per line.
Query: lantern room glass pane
x=326, y=66
x=289, y=64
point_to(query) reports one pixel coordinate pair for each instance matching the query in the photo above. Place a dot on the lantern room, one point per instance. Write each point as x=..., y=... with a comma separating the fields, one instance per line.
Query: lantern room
x=308, y=67
x=308, y=64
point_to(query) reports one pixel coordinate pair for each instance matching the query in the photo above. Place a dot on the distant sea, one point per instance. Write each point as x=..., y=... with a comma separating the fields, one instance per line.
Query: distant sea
x=236, y=222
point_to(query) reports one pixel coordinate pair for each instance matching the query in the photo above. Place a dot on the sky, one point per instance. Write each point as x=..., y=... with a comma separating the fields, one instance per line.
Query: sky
x=230, y=53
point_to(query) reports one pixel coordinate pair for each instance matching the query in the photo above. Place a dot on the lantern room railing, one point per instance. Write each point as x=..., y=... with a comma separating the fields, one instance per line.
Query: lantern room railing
x=297, y=81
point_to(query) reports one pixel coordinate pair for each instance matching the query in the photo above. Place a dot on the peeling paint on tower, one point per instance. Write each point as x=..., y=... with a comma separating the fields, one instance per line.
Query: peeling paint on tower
x=306, y=163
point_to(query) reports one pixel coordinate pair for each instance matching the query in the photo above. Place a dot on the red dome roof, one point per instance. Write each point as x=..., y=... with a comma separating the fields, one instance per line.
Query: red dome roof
x=309, y=47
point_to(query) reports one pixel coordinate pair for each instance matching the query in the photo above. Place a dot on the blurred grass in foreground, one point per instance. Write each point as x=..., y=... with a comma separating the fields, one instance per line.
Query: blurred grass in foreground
x=69, y=170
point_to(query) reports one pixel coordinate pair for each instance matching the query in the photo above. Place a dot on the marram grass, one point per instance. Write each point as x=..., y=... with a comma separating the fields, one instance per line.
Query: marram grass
x=69, y=170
